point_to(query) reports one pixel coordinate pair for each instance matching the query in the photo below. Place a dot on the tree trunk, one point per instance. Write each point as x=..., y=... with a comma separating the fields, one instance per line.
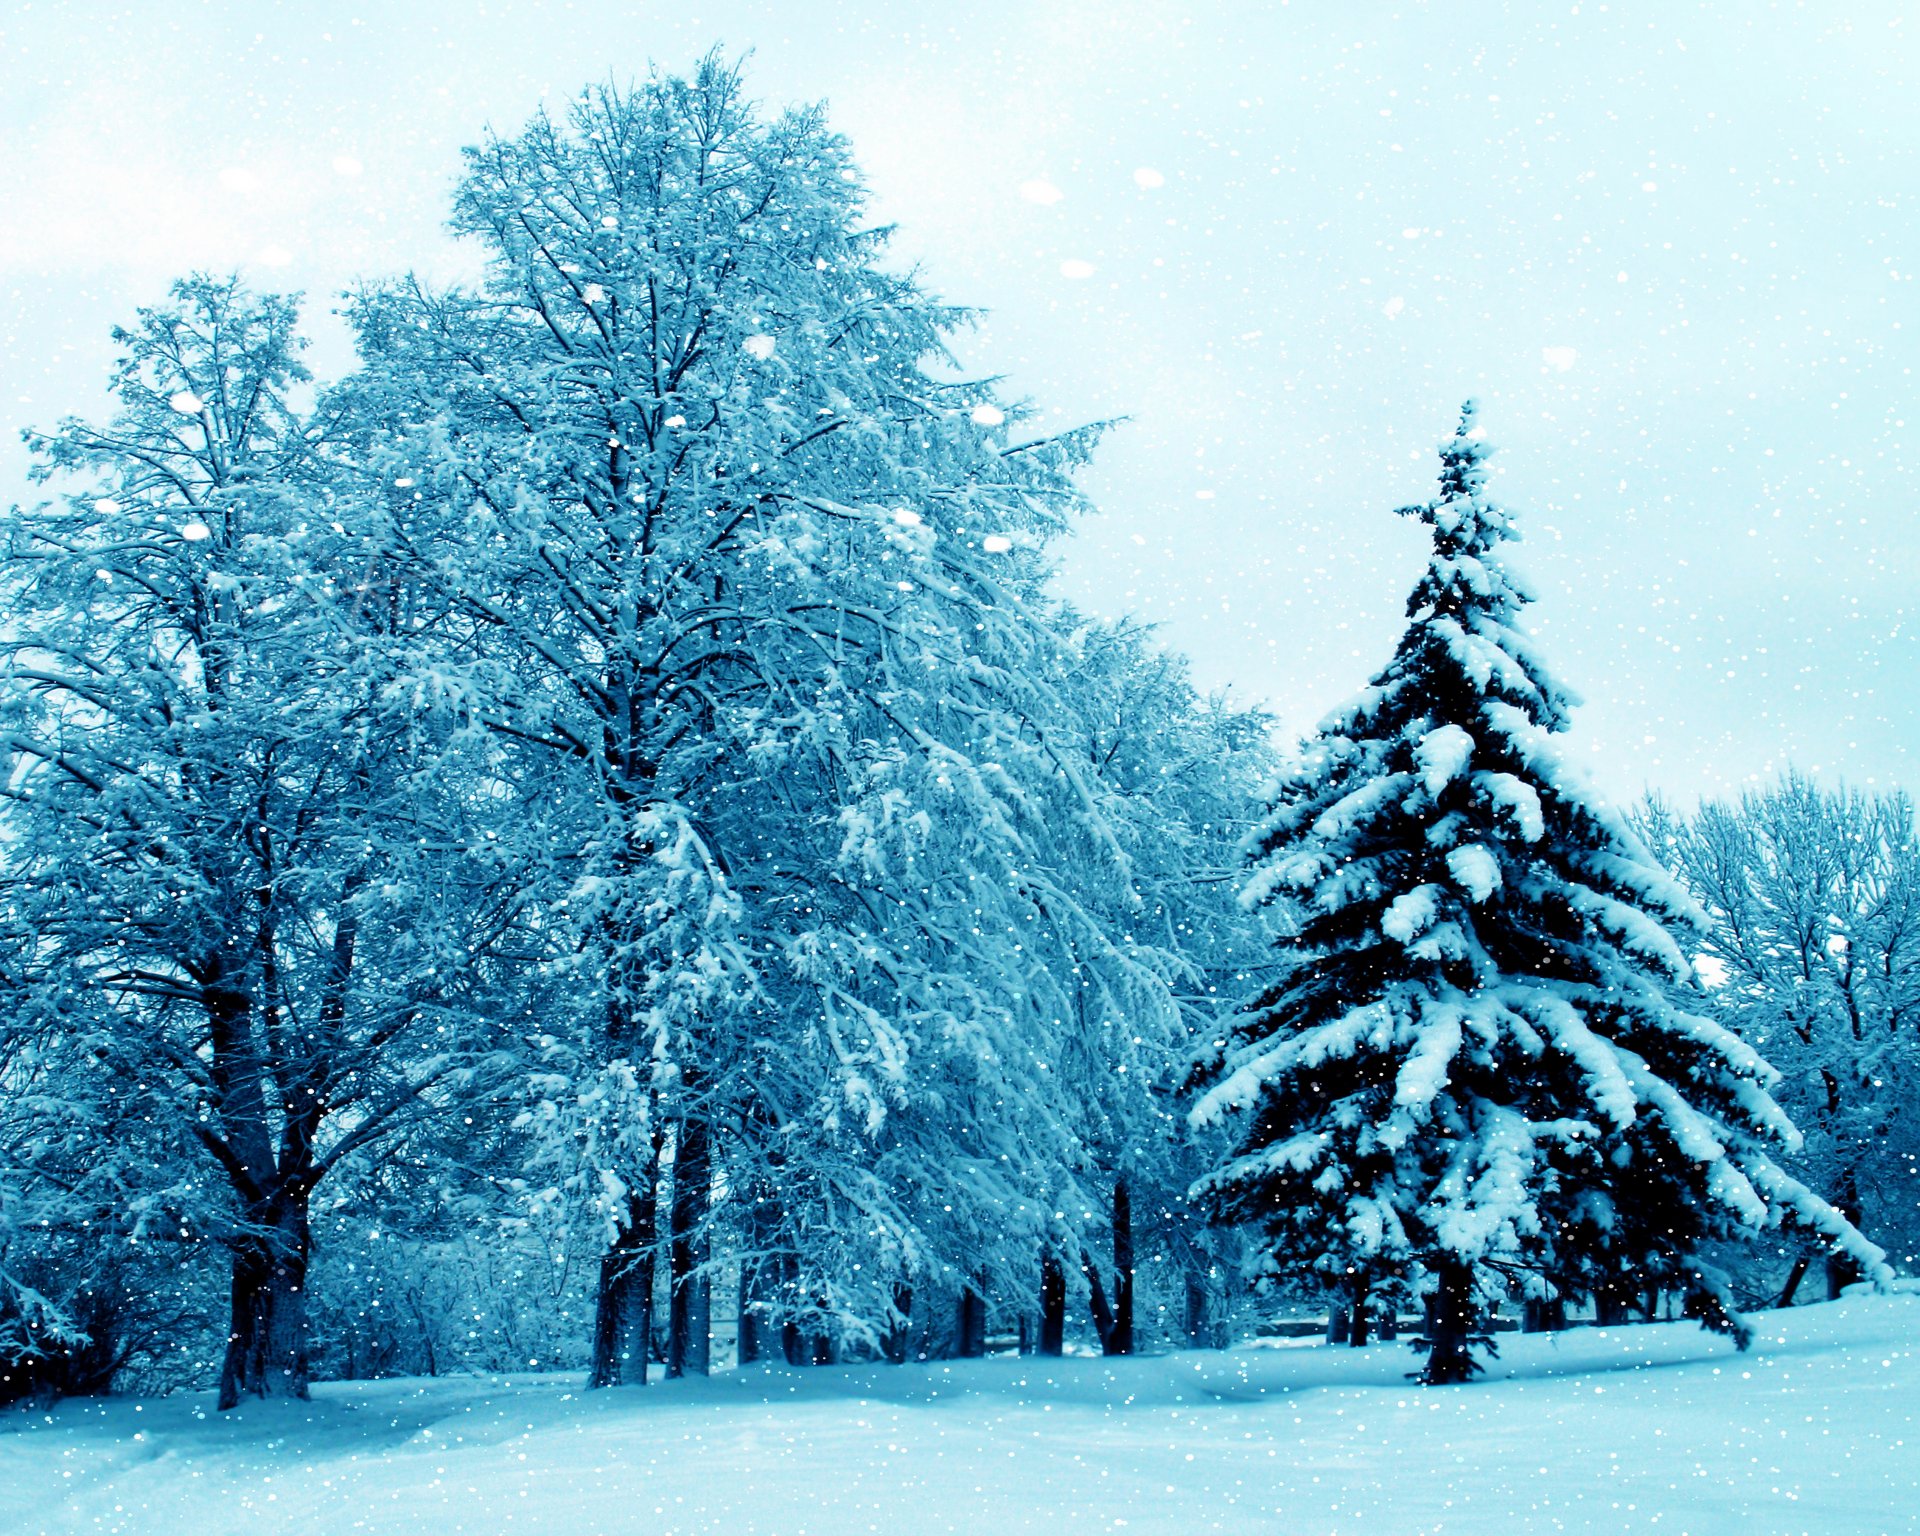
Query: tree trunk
x=1843, y=1269
x=426, y=1332
x=1114, y=1323
x=623, y=1307
x=1360, y=1330
x=1450, y=1353
x=1122, y=1341
x=972, y=1321
x=794, y=1345
x=1794, y=1276
x=267, y=1329
x=1611, y=1303
x=1053, y=1305
x=899, y=1335
x=759, y=1271
x=1203, y=1307
x=688, y=1332
x=748, y=1347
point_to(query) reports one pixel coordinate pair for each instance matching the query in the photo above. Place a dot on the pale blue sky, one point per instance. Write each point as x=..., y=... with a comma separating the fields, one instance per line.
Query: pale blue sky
x=1671, y=247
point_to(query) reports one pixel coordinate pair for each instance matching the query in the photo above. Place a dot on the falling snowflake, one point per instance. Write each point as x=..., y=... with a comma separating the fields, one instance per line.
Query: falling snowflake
x=1075, y=268
x=186, y=402
x=194, y=532
x=1147, y=178
x=1041, y=191
x=759, y=345
x=996, y=543
x=985, y=415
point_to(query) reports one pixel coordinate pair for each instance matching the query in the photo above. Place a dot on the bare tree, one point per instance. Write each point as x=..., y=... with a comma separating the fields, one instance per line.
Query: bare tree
x=1812, y=951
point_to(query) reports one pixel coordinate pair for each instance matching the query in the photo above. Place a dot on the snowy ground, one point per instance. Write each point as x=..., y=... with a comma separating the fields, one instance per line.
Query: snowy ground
x=1657, y=1428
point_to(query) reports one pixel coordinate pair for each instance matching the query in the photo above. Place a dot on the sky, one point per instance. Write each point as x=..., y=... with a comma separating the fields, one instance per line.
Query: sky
x=1670, y=247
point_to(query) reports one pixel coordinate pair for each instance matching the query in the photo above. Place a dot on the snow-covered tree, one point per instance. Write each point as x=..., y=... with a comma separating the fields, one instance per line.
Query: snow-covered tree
x=1812, y=938
x=1094, y=973
x=1179, y=773
x=243, y=872
x=760, y=576
x=94, y=1240
x=1474, y=1070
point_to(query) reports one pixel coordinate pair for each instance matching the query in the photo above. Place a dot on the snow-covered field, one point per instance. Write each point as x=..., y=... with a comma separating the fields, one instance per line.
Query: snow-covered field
x=1658, y=1428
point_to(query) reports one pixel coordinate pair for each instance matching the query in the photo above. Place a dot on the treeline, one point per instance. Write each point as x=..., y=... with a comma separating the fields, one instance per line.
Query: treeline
x=591, y=833
x=1811, y=951
x=604, y=791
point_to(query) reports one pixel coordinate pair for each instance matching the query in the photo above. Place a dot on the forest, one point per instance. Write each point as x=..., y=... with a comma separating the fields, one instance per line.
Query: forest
x=590, y=842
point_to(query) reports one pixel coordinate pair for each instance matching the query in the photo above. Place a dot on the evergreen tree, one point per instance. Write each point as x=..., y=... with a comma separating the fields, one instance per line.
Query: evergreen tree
x=1475, y=1069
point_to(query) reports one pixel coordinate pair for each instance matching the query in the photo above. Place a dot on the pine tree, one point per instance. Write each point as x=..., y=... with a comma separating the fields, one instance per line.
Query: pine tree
x=1475, y=1069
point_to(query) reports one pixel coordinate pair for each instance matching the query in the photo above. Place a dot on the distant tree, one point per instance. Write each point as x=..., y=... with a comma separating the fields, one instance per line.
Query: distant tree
x=1812, y=899
x=1472, y=1070
x=1181, y=774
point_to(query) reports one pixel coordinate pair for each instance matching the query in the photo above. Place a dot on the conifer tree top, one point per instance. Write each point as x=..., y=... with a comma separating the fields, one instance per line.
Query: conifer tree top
x=1466, y=528
x=1466, y=604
